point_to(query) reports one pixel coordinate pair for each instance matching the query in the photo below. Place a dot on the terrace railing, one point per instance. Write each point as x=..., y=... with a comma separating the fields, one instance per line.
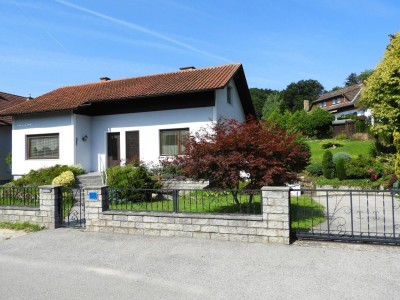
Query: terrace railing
x=19, y=196
x=186, y=201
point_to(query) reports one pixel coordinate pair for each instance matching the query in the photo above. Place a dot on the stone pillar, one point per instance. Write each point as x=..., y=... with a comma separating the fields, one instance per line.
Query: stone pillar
x=276, y=209
x=49, y=198
x=96, y=201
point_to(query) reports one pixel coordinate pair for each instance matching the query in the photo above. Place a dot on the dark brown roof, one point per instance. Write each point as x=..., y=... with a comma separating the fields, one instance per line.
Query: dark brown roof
x=7, y=101
x=184, y=81
x=349, y=92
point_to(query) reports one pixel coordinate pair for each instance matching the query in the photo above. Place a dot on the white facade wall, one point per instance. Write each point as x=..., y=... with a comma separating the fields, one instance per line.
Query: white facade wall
x=83, y=140
x=149, y=125
x=226, y=110
x=45, y=123
x=5, y=147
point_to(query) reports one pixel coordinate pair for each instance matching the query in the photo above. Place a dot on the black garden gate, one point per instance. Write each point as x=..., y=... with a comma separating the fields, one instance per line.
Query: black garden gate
x=346, y=215
x=71, y=208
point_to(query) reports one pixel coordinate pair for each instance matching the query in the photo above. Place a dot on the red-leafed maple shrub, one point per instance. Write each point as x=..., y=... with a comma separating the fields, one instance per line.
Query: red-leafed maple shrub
x=221, y=153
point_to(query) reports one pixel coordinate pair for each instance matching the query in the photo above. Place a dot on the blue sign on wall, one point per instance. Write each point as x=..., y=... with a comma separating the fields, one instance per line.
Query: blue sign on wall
x=92, y=196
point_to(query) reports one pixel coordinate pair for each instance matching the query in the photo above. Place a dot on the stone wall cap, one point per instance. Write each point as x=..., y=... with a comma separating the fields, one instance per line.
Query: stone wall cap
x=275, y=188
x=240, y=217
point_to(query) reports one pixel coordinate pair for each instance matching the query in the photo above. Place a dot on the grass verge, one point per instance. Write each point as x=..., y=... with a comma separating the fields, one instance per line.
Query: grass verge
x=25, y=226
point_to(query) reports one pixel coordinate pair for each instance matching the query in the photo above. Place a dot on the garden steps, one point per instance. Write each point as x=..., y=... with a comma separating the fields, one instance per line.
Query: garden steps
x=89, y=180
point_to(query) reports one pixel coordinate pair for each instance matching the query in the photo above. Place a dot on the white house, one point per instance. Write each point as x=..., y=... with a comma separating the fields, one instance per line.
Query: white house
x=101, y=124
x=6, y=101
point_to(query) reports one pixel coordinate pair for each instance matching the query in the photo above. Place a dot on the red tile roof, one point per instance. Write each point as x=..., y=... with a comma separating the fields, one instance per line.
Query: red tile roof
x=184, y=81
x=7, y=101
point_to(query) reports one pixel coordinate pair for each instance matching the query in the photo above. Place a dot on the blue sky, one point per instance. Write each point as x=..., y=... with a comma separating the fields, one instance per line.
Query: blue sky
x=46, y=44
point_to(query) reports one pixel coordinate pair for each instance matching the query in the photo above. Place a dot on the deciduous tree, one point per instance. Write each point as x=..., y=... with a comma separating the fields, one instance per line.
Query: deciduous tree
x=382, y=94
x=296, y=92
x=222, y=153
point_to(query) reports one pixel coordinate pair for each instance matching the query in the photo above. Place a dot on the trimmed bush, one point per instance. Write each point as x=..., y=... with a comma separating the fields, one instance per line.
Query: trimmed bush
x=315, y=169
x=340, y=169
x=328, y=167
x=66, y=178
x=345, y=156
x=331, y=145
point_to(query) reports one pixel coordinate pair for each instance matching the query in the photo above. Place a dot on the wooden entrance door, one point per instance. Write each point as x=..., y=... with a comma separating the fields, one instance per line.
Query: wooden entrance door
x=132, y=146
x=113, y=149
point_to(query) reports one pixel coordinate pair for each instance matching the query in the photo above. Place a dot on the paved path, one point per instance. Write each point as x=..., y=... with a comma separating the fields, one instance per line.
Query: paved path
x=71, y=264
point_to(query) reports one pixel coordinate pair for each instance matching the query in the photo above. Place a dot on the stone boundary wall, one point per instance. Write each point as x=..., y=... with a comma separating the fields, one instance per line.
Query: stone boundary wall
x=174, y=184
x=45, y=215
x=272, y=226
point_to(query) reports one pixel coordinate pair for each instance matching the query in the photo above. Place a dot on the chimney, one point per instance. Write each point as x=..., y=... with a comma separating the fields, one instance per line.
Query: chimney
x=104, y=79
x=29, y=97
x=306, y=105
x=187, y=68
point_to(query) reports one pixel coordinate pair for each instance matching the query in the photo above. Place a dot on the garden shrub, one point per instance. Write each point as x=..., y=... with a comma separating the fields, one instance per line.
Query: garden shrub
x=45, y=176
x=340, y=169
x=358, y=167
x=341, y=137
x=344, y=155
x=66, y=178
x=125, y=180
x=391, y=183
x=315, y=169
x=328, y=167
x=331, y=145
x=130, y=177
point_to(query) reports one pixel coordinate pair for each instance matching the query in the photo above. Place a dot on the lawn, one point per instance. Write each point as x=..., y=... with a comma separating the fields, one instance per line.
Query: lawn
x=354, y=148
x=196, y=201
x=305, y=213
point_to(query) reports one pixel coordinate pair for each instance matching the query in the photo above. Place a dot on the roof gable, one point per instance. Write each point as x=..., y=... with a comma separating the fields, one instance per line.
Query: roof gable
x=180, y=82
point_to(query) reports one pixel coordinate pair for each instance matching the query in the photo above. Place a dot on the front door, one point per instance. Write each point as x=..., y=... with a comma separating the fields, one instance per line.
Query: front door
x=113, y=153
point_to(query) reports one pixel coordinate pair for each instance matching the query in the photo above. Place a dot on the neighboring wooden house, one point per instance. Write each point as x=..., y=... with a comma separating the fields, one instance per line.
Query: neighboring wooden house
x=6, y=101
x=342, y=102
x=100, y=124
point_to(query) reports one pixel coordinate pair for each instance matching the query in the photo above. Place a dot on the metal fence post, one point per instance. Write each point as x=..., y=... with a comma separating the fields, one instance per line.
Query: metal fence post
x=175, y=200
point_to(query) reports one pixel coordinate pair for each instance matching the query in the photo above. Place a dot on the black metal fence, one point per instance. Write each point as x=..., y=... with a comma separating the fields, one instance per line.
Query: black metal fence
x=19, y=196
x=347, y=215
x=185, y=200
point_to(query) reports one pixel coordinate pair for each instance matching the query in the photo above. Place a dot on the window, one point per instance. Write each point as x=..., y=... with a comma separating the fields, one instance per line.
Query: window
x=172, y=141
x=229, y=94
x=335, y=101
x=324, y=104
x=43, y=146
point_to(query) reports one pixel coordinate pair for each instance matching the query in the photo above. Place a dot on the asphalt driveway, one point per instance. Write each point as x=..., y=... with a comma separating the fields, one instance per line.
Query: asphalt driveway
x=68, y=264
